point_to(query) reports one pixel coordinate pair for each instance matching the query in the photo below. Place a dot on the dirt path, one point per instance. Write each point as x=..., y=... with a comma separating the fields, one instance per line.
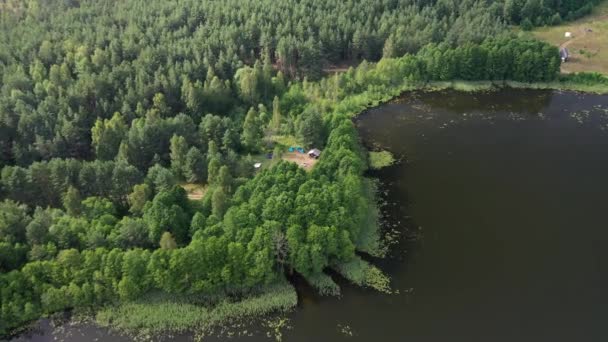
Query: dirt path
x=568, y=42
x=580, y=33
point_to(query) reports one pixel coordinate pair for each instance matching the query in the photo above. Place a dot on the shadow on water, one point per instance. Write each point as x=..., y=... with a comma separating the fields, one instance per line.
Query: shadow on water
x=499, y=201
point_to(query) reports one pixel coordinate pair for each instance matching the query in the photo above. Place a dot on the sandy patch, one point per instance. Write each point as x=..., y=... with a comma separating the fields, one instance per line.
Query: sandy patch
x=303, y=160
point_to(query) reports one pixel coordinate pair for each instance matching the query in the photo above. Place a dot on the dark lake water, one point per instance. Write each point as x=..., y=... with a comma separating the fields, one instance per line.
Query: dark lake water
x=508, y=194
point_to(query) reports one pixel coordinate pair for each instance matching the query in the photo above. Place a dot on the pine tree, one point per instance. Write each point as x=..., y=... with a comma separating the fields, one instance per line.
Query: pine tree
x=389, y=48
x=138, y=198
x=252, y=131
x=213, y=170
x=179, y=151
x=310, y=128
x=72, y=202
x=107, y=136
x=275, y=123
x=225, y=179
x=219, y=202
x=195, y=169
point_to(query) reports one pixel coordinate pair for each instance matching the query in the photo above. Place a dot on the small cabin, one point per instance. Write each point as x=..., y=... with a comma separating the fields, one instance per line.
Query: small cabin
x=314, y=153
x=564, y=54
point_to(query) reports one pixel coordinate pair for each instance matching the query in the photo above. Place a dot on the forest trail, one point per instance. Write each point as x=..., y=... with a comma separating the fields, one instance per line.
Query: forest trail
x=572, y=40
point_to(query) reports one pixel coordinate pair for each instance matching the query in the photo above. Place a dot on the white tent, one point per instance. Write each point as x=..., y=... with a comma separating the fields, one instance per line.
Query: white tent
x=568, y=34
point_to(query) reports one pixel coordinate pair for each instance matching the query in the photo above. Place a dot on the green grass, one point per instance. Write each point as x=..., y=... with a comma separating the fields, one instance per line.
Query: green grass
x=362, y=273
x=369, y=240
x=285, y=141
x=168, y=314
x=324, y=284
x=262, y=159
x=378, y=160
x=588, y=50
x=467, y=86
x=566, y=82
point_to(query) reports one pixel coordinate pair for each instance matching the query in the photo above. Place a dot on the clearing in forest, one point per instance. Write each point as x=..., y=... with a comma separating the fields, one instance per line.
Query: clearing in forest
x=284, y=142
x=588, y=46
x=302, y=159
x=195, y=192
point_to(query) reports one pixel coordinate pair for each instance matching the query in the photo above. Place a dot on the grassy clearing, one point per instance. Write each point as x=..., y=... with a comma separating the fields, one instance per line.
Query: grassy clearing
x=282, y=143
x=167, y=314
x=378, y=160
x=285, y=141
x=588, y=49
x=362, y=273
x=262, y=158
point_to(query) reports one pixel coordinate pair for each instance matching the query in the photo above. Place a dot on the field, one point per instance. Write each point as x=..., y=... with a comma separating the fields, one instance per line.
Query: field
x=588, y=46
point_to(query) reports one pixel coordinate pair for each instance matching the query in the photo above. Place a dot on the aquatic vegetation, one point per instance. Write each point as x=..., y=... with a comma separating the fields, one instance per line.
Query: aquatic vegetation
x=176, y=315
x=370, y=240
x=362, y=273
x=381, y=159
x=276, y=327
x=345, y=330
x=324, y=284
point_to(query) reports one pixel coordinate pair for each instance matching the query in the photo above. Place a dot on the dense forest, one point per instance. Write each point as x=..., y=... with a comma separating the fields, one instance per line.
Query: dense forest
x=66, y=65
x=106, y=108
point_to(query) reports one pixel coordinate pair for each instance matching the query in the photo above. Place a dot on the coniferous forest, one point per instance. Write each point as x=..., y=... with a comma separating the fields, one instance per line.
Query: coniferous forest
x=106, y=108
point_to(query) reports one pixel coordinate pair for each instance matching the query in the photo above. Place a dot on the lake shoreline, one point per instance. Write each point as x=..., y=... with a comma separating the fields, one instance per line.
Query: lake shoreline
x=480, y=86
x=473, y=86
x=457, y=134
x=465, y=86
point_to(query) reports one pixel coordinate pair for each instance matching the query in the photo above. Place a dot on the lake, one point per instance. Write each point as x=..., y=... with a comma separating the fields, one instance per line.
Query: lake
x=500, y=202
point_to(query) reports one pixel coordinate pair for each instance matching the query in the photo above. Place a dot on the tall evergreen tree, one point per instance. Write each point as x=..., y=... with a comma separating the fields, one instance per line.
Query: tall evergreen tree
x=179, y=152
x=71, y=202
x=275, y=123
x=195, y=168
x=252, y=131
